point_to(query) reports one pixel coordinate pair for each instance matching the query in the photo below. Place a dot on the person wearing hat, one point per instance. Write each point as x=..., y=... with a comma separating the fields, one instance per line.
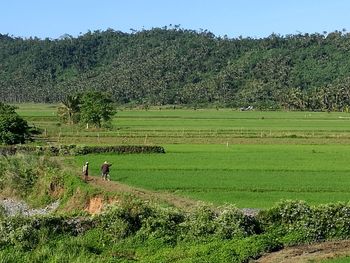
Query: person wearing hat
x=105, y=171
x=86, y=171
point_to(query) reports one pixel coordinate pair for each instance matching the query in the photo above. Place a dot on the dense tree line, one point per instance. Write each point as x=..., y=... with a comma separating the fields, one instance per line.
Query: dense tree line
x=172, y=65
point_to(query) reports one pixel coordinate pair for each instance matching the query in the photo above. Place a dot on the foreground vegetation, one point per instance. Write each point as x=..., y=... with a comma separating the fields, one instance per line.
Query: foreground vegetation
x=134, y=230
x=178, y=66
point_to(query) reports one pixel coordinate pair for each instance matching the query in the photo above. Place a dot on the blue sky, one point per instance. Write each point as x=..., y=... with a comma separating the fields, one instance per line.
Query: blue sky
x=254, y=18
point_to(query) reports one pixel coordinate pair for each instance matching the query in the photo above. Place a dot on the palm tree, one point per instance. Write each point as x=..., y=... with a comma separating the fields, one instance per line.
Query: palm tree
x=69, y=109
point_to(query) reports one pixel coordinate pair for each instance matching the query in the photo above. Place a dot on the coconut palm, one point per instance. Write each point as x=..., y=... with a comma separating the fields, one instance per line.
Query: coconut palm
x=69, y=110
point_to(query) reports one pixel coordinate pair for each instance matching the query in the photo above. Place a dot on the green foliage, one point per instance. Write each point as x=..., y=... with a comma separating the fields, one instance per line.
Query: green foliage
x=96, y=108
x=227, y=222
x=122, y=221
x=232, y=223
x=13, y=128
x=135, y=230
x=305, y=223
x=64, y=150
x=19, y=174
x=69, y=110
x=120, y=149
x=27, y=233
x=200, y=224
x=177, y=66
x=163, y=224
x=340, y=259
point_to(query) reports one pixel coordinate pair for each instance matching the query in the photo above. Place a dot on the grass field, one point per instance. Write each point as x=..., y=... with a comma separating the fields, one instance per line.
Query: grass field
x=246, y=175
x=185, y=126
x=341, y=259
x=251, y=159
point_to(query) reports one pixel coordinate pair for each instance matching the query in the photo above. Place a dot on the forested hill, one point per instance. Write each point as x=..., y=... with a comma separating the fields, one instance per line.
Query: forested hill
x=178, y=66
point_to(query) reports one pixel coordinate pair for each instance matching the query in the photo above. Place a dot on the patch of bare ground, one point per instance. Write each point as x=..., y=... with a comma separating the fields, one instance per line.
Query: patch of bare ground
x=308, y=253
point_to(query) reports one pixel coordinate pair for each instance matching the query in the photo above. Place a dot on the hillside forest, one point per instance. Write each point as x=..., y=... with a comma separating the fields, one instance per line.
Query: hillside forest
x=175, y=66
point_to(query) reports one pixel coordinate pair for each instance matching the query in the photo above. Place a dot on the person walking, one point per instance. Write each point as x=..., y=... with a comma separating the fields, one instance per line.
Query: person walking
x=105, y=170
x=86, y=171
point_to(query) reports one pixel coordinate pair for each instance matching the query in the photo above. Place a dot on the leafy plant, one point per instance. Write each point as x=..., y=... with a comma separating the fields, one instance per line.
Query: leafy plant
x=13, y=129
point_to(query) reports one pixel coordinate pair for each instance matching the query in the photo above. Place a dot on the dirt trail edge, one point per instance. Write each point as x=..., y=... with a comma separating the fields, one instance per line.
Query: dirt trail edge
x=169, y=198
x=308, y=253
x=113, y=186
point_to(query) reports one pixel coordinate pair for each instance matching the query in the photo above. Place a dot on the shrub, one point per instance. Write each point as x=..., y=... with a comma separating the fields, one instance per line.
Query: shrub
x=303, y=223
x=118, y=149
x=65, y=150
x=122, y=221
x=286, y=212
x=231, y=222
x=26, y=232
x=224, y=223
x=162, y=223
x=199, y=224
x=19, y=174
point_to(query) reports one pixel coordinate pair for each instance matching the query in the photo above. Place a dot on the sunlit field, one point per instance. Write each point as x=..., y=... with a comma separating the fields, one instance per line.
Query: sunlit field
x=251, y=159
x=245, y=175
x=188, y=126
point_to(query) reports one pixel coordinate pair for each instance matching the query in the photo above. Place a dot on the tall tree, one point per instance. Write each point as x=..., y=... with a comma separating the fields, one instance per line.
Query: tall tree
x=69, y=110
x=96, y=108
x=13, y=129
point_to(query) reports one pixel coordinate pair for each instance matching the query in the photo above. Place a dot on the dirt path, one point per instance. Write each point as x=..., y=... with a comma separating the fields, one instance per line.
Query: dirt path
x=148, y=195
x=309, y=253
x=174, y=200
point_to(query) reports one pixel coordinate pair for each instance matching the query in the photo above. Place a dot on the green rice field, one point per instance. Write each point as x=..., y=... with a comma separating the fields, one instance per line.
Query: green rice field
x=251, y=159
x=247, y=175
x=186, y=126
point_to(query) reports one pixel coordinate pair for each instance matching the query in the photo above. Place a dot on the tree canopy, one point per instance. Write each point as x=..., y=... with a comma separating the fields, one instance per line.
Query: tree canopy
x=172, y=65
x=69, y=110
x=92, y=108
x=13, y=129
x=96, y=108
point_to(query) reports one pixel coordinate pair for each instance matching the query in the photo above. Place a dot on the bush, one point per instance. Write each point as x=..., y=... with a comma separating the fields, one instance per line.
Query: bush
x=226, y=222
x=19, y=174
x=162, y=223
x=231, y=222
x=199, y=224
x=118, y=149
x=286, y=213
x=303, y=223
x=122, y=221
x=26, y=232
x=66, y=150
